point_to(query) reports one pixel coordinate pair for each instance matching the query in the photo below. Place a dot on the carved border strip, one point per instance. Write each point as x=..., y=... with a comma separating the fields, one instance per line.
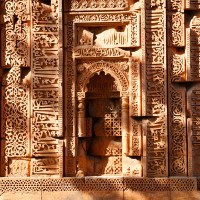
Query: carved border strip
x=176, y=29
x=177, y=116
x=46, y=120
x=15, y=112
x=84, y=5
x=99, y=52
x=99, y=184
x=154, y=87
x=193, y=74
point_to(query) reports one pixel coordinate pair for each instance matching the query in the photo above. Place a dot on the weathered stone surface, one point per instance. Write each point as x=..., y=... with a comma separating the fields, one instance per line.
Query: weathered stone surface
x=103, y=93
x=21, y=195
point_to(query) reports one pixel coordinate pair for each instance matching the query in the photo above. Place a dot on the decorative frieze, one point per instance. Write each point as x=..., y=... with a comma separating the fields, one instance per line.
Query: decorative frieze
x=98, y=184
x=83, y=5
x=99, y=52
x=116, y=38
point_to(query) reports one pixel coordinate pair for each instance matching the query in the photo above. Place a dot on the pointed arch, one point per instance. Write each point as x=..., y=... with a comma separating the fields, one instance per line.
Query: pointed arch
x=116, y=70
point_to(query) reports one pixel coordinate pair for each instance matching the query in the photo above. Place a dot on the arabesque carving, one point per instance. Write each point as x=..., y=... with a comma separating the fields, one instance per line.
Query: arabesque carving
x=177, y=29
x=129, y=72
x=15, y=112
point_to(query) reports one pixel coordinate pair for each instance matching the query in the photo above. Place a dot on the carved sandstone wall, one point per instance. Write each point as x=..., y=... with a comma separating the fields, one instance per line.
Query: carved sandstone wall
x=100, y=98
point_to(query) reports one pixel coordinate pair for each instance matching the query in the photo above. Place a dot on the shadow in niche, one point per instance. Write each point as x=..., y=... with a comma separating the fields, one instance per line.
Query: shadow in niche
x=100, y=152
x=86, y=145
x=47, y=2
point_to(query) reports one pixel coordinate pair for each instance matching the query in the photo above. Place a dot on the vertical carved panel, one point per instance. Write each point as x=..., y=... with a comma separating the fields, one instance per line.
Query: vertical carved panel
x=15, y=104
x=177, y=115
x=195, y=129
x=193, y=75
x=135, y=96
x=70, y=159
x=176, y=24
x=176, y=97
x=83, y=5
x=46, y=114
x=177, y=137
x=176, y=29
x=155, y=88
x=17, y=33
x=135, y=145
x=193, y=44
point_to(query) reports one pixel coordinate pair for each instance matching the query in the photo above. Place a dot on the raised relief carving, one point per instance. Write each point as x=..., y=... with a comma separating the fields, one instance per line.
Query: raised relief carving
x=119, y=35
x=46, y=114
x=15, y=106
x=85, y=52
x=176, y=29
x=102, y=36
x=124, y=109
x=115, y=68
x=193, y=41
x=83, y=5
x=193, y=108
x=176, y=5
x=19, y=168
x=177, y=67
x=153, y=4
x=177, y=138
x=17, y=33
x=155, y=98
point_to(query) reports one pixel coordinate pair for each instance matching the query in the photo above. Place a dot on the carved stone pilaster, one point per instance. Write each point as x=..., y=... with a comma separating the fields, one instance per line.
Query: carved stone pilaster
x=81, y=118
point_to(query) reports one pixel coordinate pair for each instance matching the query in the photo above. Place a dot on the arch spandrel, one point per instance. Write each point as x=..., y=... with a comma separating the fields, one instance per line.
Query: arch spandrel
x=112, y=68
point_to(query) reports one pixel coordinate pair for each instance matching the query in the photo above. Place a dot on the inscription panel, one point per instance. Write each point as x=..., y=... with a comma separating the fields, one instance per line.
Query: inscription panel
x=46, y=119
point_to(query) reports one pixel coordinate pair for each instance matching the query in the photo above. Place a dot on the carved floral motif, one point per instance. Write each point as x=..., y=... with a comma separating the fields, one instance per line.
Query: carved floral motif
x=176, y=29
x=15, y=94
x=76, y=5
